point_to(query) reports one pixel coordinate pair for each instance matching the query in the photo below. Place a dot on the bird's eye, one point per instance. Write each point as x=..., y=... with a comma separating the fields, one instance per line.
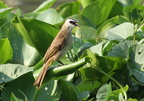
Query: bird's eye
x=72, y=22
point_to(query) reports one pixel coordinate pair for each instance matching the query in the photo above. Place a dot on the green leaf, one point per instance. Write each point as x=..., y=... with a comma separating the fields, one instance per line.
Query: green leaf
x=121, y=31
x=50, y=16
x=135, y=13
x=9, y=72
x=85, y=32
x=121, y=49
x=2, y=5
x=109, y=65
x=97, y=12
x=4, y=11
x=70, y=92
x=69, y=9
x=131, y=99
x=129, y=2
x=115, y=93
x=45, y=5
x=36, y=33
x=49, y=92
x=88, y=85
x=14, y=98
x=86, y=2
x=109, y=24
x=136, y=65
x=98, y=48
x=22, y=52
x=116, y=10
x=104, y=92
x=22, y=88
x=5, y=51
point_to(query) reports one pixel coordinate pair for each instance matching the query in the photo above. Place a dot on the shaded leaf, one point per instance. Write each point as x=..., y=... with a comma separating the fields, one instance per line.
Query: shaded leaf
x=121, y=49
x=36, y=33
x=70, y=92
x=88, y=85
x=21, y=87
x=49, y=92
x=135, y=13
x=9, y=72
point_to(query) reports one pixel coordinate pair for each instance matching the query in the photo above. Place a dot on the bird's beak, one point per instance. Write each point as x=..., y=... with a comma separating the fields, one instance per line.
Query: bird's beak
x=77, y=24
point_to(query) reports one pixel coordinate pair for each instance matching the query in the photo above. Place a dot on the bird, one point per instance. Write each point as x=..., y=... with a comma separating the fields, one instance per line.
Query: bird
x=59, y=47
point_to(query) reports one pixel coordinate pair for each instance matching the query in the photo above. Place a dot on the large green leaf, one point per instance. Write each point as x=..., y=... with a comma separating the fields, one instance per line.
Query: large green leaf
x=136, y=65
x=5, y=51
x=85, y=32
x=109, y=24
x=104, y=92
x=88, y=85
x=45, y=5
x=121, y=49
x=98, y=11
x=36, y=33
x=9, y=72
x=48, y=92
x=50, y=16
x=121, y=31
x=22, y=52
x=5, y=25
x=21, y=87
x=4, y=11
x=69, y=9
x=70, y=92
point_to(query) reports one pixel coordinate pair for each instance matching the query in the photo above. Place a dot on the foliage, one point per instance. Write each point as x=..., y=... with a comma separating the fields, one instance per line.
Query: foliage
x=105, y=63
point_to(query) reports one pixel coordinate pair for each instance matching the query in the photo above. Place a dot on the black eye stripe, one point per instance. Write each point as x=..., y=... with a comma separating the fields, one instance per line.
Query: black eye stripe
x=72, y=22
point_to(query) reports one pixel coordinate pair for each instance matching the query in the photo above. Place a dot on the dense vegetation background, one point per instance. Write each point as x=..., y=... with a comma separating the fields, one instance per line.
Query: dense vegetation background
x=106, y=62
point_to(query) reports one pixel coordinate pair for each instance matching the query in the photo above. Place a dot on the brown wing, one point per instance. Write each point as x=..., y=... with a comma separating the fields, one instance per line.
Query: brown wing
x=56, y=46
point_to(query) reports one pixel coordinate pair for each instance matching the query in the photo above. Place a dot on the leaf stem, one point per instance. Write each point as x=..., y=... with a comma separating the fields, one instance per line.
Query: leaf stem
x=35, y=95
x=101, y=71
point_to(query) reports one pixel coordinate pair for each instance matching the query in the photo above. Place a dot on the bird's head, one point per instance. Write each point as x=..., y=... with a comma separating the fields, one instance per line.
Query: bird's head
x=71, y=23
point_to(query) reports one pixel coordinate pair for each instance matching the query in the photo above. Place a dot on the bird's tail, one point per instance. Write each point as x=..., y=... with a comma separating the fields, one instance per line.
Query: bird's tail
x=40, y=78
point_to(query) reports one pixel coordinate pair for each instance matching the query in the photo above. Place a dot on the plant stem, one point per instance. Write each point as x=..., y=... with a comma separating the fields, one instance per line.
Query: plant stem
x=101, y=71
x=35, y=95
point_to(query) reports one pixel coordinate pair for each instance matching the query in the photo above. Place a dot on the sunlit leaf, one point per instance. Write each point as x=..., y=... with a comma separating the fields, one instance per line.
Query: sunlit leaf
x=104, y=92
x=9, y=72
x=50, y=16
x=136, y=67
x=36, y=33
x=97, y=12
x=69, y=9
x=45, y=5
x=5, y=51
x=121, y=31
